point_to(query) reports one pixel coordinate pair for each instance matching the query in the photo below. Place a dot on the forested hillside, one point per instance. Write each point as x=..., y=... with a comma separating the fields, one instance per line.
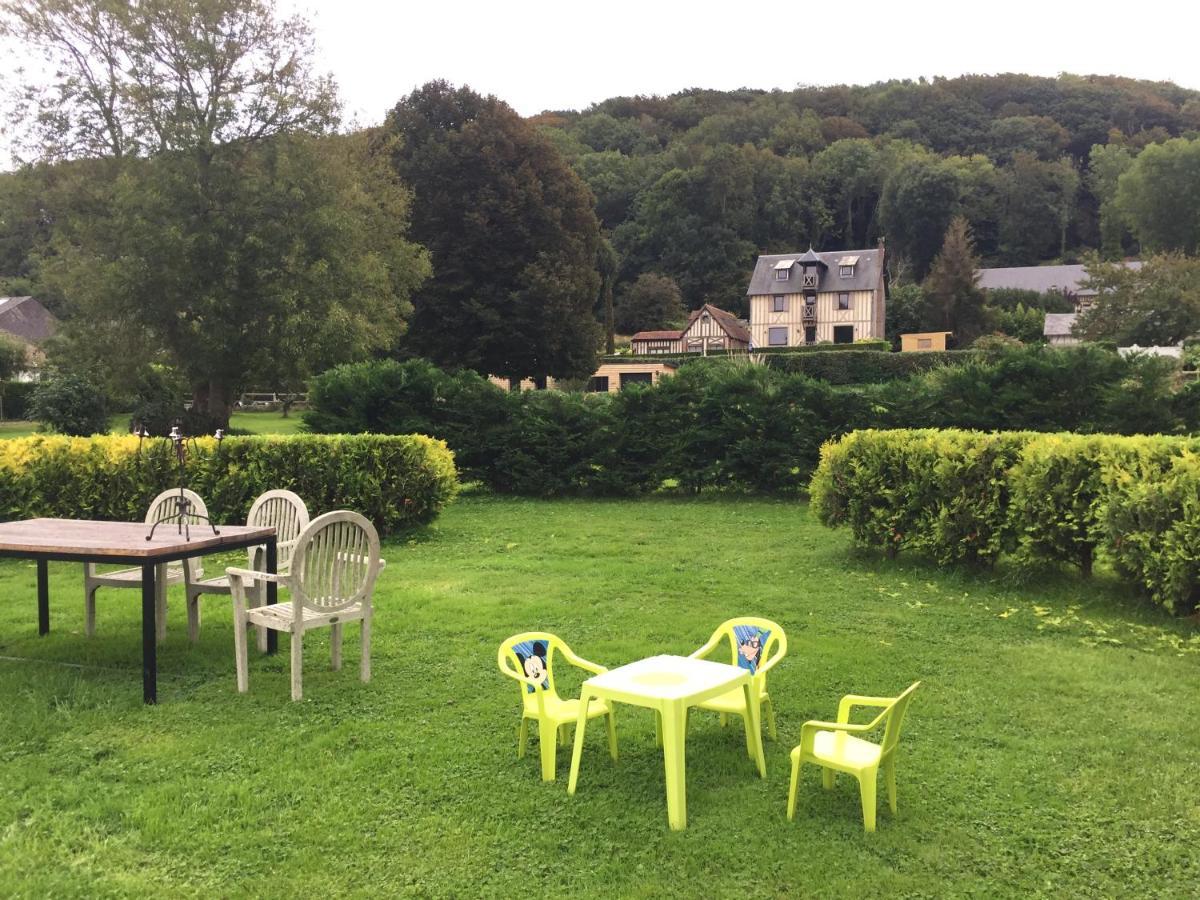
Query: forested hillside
x=695, y=184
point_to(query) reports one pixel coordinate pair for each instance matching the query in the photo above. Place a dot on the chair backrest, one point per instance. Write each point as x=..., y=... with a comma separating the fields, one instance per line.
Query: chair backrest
x=287, y=514
x=531, y=655
x=895, y=719
x=752, y=643
x=167, y=504
x=335, y=563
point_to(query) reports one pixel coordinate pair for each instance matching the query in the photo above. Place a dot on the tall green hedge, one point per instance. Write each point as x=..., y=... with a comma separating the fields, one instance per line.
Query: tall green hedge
x=866, y=367
x=973, y=496
x=398, y=482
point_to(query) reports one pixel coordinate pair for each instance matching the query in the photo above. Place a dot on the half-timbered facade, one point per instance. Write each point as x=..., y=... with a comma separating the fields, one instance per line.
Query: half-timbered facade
x=810, y=298
x=708, y=329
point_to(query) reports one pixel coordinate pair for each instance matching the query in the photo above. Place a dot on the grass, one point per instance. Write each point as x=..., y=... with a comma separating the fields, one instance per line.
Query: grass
x=1050, y=751
x=253, y=422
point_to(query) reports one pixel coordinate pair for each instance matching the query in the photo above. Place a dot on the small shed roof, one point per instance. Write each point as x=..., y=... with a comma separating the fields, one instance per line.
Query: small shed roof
x=1059, y=324
x=657, y=336
x=26, y=319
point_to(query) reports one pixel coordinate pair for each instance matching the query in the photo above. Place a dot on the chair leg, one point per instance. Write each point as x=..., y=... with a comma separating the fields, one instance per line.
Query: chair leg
x=522, y=738
x=827, y=778
x=335, y=644
x=771, y=733
x=889, y=774
x=724, y=719
x=297, y=664
x=795, y=786
x=866, y=787
x=259, y=597
x=239, y=655
x=364, y=663
x=89, y=610
x=612, y=732
x=160, y=605
x=193, y=618
x=562, y=735
x=547, y=747
x=658, y=729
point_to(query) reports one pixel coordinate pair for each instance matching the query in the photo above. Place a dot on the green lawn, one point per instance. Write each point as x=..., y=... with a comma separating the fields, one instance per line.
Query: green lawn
x=253, y=422
x=1051, y=750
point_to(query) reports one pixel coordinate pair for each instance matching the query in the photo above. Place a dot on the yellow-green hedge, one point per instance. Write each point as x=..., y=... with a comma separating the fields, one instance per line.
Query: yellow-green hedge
x=397, y=481
x=973, y=496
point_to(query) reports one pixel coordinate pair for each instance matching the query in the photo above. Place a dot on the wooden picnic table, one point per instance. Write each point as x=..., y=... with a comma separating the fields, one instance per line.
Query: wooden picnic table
x=125, y=543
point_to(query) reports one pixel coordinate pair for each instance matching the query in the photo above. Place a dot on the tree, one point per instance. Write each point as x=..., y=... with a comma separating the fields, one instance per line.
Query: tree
x=956, y=301
x=907, y=311
x=919, y=200
x=1106, y=164
x=1159, y=196
x=1037, y=201
x=1156, y=305
x=12, y=360
x=651, y=302
x=512, y=233
x=216, y=233
x=70, y=404
x=607, y=263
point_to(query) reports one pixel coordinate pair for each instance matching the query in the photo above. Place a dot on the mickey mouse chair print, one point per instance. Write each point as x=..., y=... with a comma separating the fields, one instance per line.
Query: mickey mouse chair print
x=756, y=645
x=528, y=659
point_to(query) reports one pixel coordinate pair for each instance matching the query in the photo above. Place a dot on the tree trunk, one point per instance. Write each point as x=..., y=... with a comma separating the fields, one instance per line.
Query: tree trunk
x=213, y=401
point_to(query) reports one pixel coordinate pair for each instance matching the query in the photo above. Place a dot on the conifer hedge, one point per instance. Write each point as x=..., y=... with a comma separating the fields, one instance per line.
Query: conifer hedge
x=969, y=496
x=398, y=482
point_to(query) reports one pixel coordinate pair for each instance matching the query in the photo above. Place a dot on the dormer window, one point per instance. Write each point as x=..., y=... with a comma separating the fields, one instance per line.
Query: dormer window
x=847, y=271
x=783, y=268
x=781, y=274
x=846, y=266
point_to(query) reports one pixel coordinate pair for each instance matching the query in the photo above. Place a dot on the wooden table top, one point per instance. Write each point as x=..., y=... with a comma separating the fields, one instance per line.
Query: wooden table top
x=120, y=539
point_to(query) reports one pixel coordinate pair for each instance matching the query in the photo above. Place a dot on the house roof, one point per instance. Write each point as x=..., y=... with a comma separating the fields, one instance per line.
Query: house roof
x=1059, y=324
x=25, y=318
x=657, y=336
x=865, y=277
x=727, y=321
x=1041, y=278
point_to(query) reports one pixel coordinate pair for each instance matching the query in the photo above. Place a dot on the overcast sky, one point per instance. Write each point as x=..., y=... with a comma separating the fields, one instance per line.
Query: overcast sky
x=566, y=55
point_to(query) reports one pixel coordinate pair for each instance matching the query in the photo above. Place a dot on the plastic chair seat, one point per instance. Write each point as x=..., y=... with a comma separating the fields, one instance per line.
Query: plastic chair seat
x=565, y=711
x=731, y=702
x=843, y=751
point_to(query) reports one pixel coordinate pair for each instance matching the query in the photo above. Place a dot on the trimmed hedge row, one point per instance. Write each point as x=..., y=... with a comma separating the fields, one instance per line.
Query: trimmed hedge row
x=398, y=482
x=871, y=346
x=969, y=496
x=866, y=367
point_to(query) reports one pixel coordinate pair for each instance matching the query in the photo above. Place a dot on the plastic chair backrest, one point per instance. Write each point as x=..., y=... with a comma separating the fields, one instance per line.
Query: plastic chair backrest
x=531, y=655
x=336, y=562
x=167, y=504
x=753, y=642
x=287, y=514
x=895, y=720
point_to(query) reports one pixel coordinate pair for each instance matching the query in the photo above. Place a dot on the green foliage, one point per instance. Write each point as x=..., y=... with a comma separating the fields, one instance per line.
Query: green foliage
x=512, y=230
x=955, y=301
x=1106, y=164
x=1159, y=196
x=398, y=482
x=70, y=404
x=864, y=367
x=1022, y=322
x=651, y=302
x=16, y=398
x=12, y=356
x=1058, y=498
x=1156, y=305
x=919, y=201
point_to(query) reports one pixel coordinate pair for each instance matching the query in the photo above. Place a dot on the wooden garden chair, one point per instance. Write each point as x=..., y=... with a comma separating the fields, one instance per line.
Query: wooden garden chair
x=286, y=513
x=331, y=580
x=164, y=505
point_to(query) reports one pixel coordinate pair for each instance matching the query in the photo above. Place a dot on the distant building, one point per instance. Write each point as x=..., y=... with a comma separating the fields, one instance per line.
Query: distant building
x=25, y=319
x=809, y=298
x=923, y=341
x=609, y=378
x=708, y=329
x=1059, y=328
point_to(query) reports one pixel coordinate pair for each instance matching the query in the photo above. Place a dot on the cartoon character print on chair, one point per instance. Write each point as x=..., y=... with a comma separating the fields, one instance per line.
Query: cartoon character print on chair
x=534, y=657
x=750, y=642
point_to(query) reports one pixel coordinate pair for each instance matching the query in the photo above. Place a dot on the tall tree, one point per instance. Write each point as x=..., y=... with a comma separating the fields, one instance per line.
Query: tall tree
x=1106, y=164
x=919, y=200
x=1160, y=196
x=653, y=301
x=956, y=300
x=212, y=229
x=513, y=236
x=1156, y=305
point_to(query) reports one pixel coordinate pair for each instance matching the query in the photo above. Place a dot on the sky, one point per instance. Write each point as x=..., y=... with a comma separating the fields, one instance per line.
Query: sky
x=540, y=55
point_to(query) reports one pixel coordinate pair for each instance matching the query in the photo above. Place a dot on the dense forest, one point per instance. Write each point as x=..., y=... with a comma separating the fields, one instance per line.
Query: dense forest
x=695, y=184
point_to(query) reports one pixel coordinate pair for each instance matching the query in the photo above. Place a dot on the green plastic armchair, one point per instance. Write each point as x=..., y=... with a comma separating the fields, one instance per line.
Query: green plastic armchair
x=528, y=659
x=836, y=747
x=756, y=645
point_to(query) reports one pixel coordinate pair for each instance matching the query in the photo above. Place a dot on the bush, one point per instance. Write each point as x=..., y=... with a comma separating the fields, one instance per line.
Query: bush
x=398, y=482
x=966, y=496
x=16, y=397
x=70, y=404
x=866, y=367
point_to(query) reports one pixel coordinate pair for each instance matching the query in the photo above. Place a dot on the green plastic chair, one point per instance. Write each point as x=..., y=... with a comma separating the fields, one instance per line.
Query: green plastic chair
x=834, y=747
x=754, y=644
x=528, y=659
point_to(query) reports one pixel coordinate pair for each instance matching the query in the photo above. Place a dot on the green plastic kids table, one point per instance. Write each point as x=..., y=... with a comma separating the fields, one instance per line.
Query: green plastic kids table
x=669, y=685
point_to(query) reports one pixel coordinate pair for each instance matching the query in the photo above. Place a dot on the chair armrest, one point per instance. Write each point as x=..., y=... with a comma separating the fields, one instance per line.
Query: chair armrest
x=708, y=648
x=581, y=663
x=850, y=701
x=255, y=575
x=769, y=664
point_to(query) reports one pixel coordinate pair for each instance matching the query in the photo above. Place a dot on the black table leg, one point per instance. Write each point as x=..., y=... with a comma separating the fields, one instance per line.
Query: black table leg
x=149, y=645
x=272, y=592
x=43, y=598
